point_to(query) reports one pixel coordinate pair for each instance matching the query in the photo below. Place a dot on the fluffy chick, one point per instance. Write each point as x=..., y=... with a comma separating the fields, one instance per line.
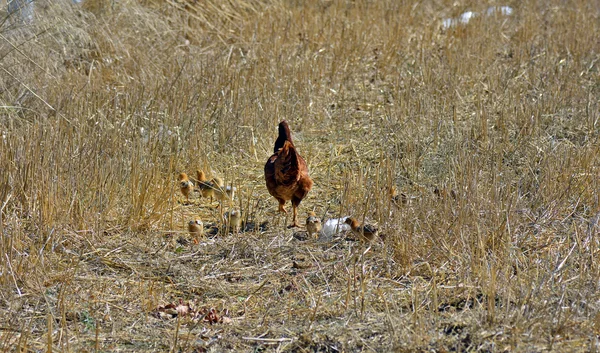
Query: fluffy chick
x=185, y=185
x=221, y=191
x=442, y=194
x=196, y=228
x=313, y=224
x=206, y=188
x=234, y=219
x=365, y=232
x=397, y=198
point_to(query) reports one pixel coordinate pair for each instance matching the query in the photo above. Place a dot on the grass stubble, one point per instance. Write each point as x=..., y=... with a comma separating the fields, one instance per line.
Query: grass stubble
x=104, y=103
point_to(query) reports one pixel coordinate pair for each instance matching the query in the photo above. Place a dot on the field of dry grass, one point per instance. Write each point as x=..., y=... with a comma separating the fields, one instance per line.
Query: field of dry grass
x=102, y=104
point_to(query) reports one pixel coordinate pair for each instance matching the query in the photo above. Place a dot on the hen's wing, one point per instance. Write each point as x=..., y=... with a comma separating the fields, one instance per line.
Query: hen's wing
x=270, y=174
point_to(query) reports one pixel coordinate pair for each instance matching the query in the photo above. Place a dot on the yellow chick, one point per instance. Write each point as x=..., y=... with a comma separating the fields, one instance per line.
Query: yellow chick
x=221, y=191
x=196, y=228
x=185, y=185
x=234, y=219
x=313, y=225
x=364, y=232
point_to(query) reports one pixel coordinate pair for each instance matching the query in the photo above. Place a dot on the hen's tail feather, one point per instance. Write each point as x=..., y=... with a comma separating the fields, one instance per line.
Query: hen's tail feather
x=284, y=135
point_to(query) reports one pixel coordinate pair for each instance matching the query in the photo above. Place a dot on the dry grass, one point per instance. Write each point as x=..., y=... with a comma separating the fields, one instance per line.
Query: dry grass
x=103, y=104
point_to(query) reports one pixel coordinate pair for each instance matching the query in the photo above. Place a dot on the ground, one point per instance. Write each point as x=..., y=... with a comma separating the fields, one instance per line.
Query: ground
x=488, y=129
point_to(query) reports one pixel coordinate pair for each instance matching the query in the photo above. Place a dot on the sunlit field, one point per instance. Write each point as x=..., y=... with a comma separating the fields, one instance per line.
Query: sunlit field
x=484, y=121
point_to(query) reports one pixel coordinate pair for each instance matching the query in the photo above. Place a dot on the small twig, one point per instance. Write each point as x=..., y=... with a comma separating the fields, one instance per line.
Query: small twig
x=274, y=340
x=259, y=287
x=12, y=273
x=96, y=340
x=562, y=264
x=5, y=202
x=314, y=314
x=176, y=338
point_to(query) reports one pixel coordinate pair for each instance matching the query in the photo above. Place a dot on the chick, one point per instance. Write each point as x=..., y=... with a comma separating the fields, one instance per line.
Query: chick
x=442, y=194
x=221, y=191
x=185, y=185
x=196, y=228
x=206, y=188
x=364, y=232
x=397, y=198
x=234, y=219
x=313, y=225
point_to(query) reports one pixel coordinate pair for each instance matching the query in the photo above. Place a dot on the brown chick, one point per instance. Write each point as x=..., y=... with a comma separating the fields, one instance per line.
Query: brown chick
x=313, y=225
x=397, y=198
x=442, y=194
x=286, y=173
x=206, y=188
x=196, y=228
x=221, y=191
x=185, y=185
x=364, y=232
x=234, y=219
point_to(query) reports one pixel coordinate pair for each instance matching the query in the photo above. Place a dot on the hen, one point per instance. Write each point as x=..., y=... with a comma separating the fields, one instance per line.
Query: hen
x=286, y=173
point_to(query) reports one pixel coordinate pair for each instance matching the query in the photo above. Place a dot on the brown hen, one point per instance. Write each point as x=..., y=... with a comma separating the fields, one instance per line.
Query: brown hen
x=286, y=173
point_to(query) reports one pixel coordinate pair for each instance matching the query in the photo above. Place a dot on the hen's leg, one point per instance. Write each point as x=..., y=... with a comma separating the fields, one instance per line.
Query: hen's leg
x=282, y=211
x=281, y=204
x=295, y=215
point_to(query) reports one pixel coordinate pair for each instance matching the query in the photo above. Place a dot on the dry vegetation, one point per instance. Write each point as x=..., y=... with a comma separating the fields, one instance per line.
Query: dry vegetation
x=103, y=103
